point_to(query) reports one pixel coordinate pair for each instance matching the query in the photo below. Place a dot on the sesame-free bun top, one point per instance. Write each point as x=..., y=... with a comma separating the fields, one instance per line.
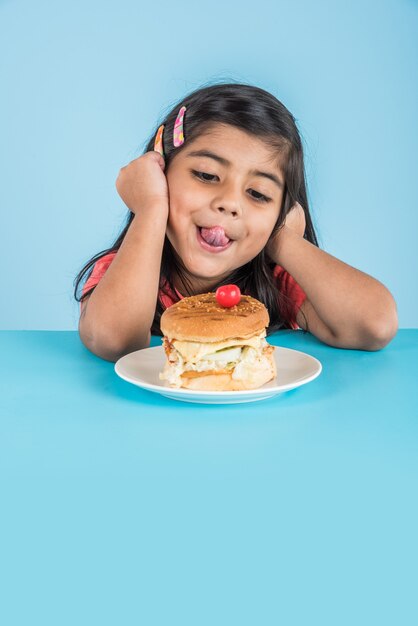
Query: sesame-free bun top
x=201, y=318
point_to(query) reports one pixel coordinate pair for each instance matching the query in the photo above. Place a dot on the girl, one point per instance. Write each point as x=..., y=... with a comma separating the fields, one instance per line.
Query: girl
x=220, y=197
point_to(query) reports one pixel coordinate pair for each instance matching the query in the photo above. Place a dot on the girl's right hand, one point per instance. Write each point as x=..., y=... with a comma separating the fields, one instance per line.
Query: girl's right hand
x=142, y=184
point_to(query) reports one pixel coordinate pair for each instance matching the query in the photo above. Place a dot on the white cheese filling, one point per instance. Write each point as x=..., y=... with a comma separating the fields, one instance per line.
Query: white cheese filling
x=193, y=351
x=239, y=359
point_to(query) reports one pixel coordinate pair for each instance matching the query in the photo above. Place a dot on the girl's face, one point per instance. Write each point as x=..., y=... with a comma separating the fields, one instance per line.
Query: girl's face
x=229, y=191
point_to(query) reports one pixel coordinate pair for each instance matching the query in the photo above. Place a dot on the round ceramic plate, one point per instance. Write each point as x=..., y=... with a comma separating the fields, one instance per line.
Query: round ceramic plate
x=142, y=367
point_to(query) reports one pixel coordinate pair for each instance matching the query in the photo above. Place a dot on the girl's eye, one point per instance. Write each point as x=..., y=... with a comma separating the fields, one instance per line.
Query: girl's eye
x=199, y=174
x=260, y=198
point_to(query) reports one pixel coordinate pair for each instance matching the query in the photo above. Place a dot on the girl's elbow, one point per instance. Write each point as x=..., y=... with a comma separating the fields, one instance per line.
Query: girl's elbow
x=383, y=330
x=108, y=345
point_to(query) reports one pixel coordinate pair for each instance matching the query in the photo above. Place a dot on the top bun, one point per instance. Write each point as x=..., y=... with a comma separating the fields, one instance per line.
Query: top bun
x=201, y=318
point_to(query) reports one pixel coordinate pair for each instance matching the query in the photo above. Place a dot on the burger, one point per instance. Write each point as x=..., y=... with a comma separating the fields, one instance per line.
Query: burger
x=213, y=347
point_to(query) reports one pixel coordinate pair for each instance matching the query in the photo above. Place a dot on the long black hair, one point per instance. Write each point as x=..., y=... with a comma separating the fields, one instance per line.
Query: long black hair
x=256, y=112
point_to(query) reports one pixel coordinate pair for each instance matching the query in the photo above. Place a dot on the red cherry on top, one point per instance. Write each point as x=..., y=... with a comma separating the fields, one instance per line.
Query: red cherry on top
x=228, y=295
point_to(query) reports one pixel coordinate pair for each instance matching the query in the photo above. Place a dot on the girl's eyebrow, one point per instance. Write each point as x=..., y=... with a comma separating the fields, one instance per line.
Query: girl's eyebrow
x=226, y=163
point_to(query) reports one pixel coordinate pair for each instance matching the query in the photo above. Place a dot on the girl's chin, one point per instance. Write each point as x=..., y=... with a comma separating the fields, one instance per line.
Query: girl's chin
x=200, y=274
x=205, y=274
x=205, y=266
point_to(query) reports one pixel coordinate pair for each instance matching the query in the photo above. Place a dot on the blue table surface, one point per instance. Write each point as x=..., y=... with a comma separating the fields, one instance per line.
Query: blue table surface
x=118, y=506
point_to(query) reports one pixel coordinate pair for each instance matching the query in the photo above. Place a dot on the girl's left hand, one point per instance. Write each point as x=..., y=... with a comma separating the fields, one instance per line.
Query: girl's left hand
x=295, y=220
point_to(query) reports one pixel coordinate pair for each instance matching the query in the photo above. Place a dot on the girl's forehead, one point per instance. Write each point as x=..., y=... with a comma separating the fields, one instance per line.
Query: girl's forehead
x=227, y=134
x=232, y=146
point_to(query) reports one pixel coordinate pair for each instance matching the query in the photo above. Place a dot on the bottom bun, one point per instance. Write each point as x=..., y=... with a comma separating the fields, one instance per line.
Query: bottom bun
x=225, y=382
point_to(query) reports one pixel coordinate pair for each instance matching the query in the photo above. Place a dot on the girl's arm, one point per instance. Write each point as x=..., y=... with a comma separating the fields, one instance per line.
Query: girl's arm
x=118, y=315
x=344, y=307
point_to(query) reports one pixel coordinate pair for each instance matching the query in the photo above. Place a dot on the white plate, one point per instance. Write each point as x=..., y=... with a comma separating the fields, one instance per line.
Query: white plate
x=142, y=367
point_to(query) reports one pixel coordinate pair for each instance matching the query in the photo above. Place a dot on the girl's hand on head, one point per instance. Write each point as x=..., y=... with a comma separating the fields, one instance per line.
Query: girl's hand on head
x=142, y=184
x=295, y=219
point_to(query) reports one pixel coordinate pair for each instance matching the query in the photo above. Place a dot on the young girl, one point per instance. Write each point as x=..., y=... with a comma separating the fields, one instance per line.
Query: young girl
x=219, y=197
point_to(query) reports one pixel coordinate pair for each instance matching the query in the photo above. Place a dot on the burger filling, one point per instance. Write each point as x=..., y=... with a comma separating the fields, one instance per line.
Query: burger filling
x=238, y=357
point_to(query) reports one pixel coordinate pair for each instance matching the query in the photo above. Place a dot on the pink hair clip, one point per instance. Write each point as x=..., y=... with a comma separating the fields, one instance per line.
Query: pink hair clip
x=178, y=133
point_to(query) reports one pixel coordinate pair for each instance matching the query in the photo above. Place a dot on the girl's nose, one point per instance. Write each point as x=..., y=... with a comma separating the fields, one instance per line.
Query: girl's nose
x=221, y=209
x=228, y=204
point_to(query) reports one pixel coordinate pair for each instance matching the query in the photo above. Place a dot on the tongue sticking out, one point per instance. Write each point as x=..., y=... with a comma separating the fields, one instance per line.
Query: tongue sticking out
x=214, y=236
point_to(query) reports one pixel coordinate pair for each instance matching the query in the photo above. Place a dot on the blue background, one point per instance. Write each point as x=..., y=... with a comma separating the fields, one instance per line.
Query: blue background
x=85, y=83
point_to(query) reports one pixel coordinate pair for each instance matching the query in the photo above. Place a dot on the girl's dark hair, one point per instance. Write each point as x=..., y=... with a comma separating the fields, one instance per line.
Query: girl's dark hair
x=258, y=113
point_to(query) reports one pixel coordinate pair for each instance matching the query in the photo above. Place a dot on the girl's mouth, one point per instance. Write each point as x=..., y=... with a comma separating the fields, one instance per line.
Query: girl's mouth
x=213, y=239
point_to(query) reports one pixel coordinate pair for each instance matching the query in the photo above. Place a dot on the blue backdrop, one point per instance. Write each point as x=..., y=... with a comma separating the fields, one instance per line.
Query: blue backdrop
x=84, y=83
